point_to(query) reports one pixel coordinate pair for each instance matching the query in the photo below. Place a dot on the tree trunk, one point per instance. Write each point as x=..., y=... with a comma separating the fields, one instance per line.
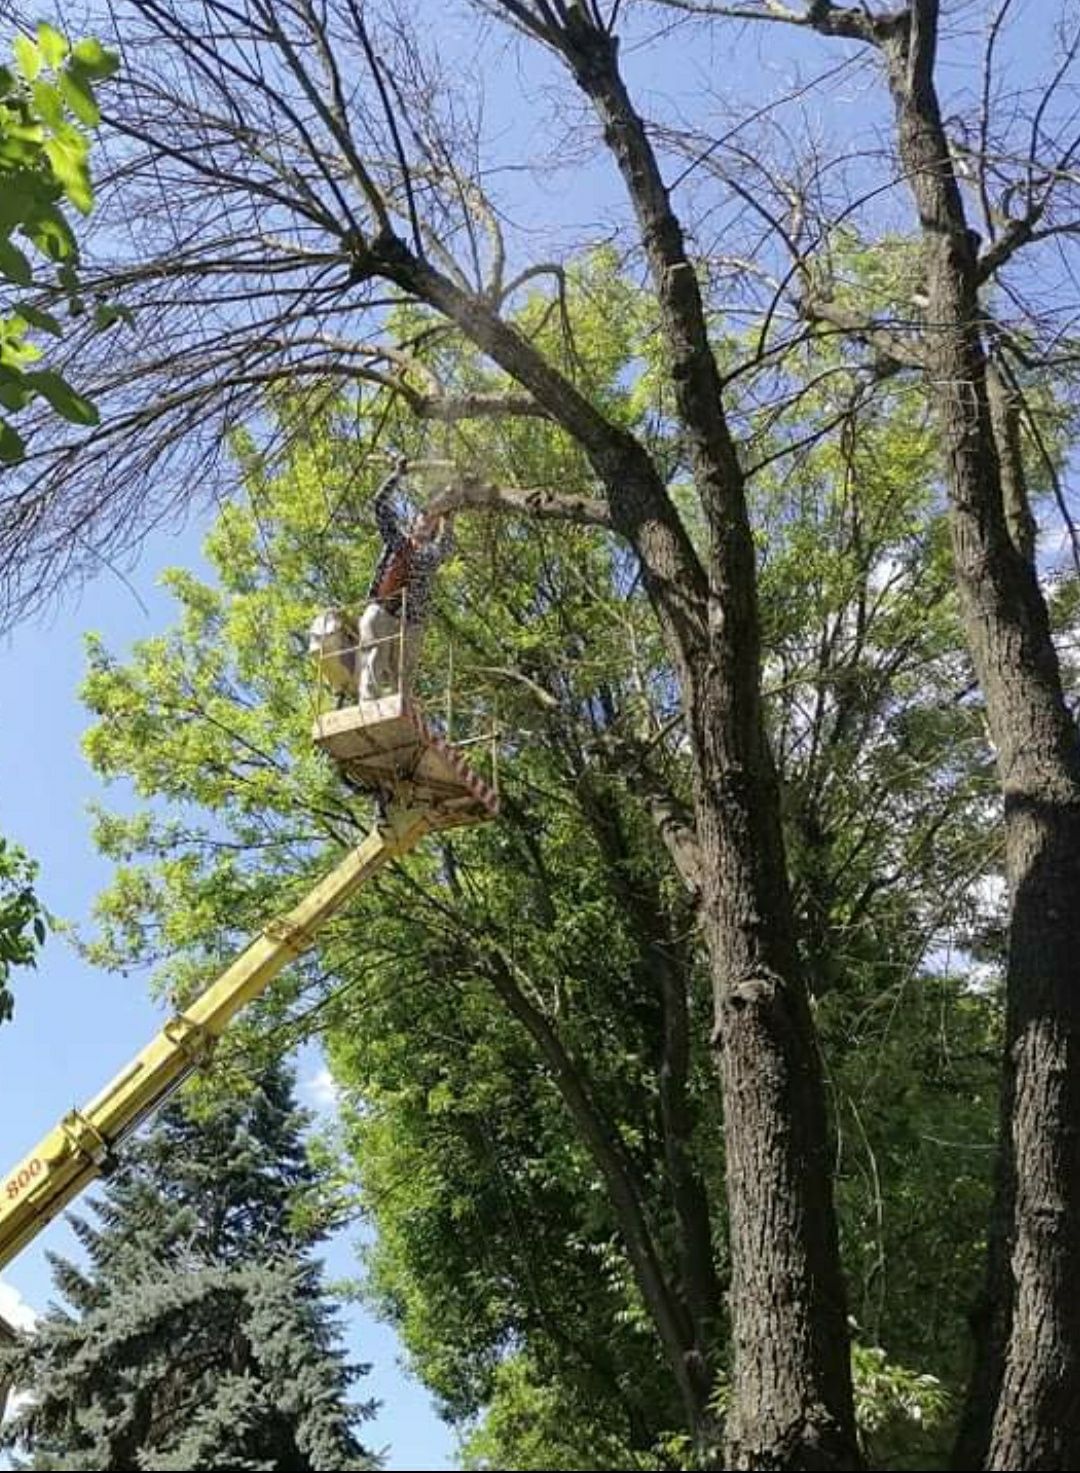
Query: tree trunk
x=791, y=1373
x=792, y=1404
x=791, y=1380
x=667, y=1311
x=1024, y=1406
x=665, y=971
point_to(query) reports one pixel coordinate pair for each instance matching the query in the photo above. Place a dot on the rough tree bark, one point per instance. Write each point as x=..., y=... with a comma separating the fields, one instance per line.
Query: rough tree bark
x=792, y=1401
x=1023, y=1409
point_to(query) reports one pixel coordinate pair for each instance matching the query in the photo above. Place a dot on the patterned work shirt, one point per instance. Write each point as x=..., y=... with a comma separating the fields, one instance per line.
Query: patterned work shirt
x=405, y=565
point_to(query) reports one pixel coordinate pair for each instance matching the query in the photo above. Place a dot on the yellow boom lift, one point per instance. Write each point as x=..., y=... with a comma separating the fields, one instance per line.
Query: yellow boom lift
x=383, y=743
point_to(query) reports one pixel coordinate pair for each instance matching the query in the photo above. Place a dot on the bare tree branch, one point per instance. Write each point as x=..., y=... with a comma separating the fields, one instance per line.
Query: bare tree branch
x=521, y=501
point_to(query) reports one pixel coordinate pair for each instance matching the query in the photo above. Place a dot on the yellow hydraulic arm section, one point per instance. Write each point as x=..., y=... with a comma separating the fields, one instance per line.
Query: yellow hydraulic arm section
x=80, y=1148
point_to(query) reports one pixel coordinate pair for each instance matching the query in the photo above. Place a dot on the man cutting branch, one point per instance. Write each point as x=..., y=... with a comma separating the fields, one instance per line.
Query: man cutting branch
x=391, y=627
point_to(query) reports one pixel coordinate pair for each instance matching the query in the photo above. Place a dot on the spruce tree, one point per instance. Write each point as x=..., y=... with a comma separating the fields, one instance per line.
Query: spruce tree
x=198, y=1333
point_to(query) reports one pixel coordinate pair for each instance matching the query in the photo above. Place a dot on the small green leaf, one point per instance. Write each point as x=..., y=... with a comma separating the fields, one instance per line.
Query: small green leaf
x=13, y=155
x=52, y=235
x=105, y=314
x=14, y=266
x=39, y=930
x=68, y=160
x=14, y=351
x=94, y=59
x=54, y=46
x=49, y=103
x=79, y=96
x=15, y=393
x=24, y=132
x=70, y=405
x=39, y=318
x=12, y=444
x=27, y=57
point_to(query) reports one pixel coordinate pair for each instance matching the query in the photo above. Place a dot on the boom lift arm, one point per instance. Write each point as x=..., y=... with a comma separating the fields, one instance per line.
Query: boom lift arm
x=383, y=743
x=81, y=1147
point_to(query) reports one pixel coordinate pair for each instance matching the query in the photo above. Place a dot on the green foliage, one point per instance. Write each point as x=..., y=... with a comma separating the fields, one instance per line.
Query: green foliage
x=47, y=102
x=449, y=1097
x=22, y=920
x=198, y=1334
x=901, y=1414
x=535, y=1422
x=917, y=1112
x=499, y=1253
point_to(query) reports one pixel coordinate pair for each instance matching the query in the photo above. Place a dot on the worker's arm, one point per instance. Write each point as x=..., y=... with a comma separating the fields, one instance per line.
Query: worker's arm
x=426, y=561
x=386, y=518
x=81, y=1147
x=428, y=556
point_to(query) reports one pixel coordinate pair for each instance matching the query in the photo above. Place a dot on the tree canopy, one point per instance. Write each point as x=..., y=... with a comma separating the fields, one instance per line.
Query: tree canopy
x=515, y=1020
x=47, y=104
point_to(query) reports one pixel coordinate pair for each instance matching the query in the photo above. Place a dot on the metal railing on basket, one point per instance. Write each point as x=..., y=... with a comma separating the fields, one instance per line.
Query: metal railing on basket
x=339, y=656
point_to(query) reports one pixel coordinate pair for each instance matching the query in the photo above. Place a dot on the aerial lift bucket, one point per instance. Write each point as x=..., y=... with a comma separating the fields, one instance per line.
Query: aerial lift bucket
x=385, y=743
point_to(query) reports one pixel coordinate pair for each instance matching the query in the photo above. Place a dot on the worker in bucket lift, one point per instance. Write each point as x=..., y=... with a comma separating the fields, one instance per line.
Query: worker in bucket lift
x=400, y=589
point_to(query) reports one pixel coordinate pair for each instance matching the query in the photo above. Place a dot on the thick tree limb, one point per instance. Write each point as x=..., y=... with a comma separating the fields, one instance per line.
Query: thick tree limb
x=450, y=408
x=674, y=823
x=534, y=501
x=892, y=352
x=819, y=15
x=1017, y=233
x=626, y=757
x=639, y=506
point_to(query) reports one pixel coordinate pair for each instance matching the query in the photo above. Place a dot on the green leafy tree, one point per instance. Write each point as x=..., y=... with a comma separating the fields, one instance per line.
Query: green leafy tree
x=504, y=1013
x=415, y=208
x=198, y=1333
x=47, y=106
x=22, y=920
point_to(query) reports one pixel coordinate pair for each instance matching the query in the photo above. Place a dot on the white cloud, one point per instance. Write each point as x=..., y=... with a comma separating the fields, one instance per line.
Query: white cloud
x=320, y=1090
x=14, y=1308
